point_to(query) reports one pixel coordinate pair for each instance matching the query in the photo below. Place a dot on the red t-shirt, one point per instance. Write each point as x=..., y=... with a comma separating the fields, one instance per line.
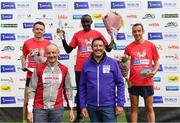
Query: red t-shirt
x=83, y=40
x=34, y=51
x=142, y=56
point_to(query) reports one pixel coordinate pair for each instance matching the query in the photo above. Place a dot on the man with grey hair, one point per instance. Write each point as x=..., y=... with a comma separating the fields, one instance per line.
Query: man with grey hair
x=49, y=82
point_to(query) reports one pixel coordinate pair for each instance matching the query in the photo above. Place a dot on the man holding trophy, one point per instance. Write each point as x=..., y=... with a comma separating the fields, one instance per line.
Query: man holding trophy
x=82, y=39
x=142, y=53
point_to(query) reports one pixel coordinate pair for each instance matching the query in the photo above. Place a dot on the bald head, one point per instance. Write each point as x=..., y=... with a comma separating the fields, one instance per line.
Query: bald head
x=52, y=46
x=52, y=53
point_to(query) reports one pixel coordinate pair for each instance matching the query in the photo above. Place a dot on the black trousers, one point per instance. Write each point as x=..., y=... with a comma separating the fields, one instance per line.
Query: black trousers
x=78, y=110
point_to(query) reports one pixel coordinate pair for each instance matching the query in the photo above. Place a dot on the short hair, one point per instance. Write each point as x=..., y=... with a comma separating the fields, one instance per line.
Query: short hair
x=97, y=39
x=86, y=15
x=138, y=24
x=40, y=23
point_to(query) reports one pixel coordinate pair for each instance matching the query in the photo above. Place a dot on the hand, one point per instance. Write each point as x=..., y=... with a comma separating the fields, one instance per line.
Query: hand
x=30, y=117
x=71, y=115
x=150, y=74
x=60, y=33
x=119, y=110
x=24, y=69
x=124, y=69
x=84, y=112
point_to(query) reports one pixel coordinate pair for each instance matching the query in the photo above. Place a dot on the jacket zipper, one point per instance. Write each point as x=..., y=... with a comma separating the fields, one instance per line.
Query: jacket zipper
x=98, y=85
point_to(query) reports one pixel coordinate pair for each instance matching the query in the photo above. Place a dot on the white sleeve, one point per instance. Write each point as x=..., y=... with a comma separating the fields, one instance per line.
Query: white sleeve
x=32, y=90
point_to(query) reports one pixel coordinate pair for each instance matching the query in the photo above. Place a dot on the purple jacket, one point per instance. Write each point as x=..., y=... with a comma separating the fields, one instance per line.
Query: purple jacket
x=98, y=83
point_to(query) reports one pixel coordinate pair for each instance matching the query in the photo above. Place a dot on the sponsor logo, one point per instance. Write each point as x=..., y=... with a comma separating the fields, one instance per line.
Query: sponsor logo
x=96, y=5
x=160, y=67
x=118, y=5
x=8, y=5
x=44, y=5
x=50, y=25
x=157, y=99
x=153, y=25
x=63, y=57
x=171, y=36
x=173, y=57
x=171, y=68
x=157, y=88
x=20, y=88
x=44, y=17
x=22, y=79
x=60, y=5
x=9, y=25
x=99, y=25
x=171, y=24
x=77, y=16
x=7, y=68
x=65, y=25
x=172, y=88
x=5, y=57
x=24, y=16
x=129, y=36
x=121, y=36
x=8, y=48
x=119, y=47
x=132, y=16
x=155, y=36
x=19, y=69
x=154, y=4
x=81, y=5
x=171, y=100
x=149, y=16
x=6, y=16
x=24, y=5
x=97, y=16
x=20, y=100
x=48, y=36
x=170, y=16
x=28, y=25
x=170, y=5
x=62, y=17
x=23, y=36
x=8, y=80
x=8, y=100
x=5, y=88
x=173, y=47
x=133, y=5
x=159, y=47
x=8, y=37
x=173, y=79
x=157, y=79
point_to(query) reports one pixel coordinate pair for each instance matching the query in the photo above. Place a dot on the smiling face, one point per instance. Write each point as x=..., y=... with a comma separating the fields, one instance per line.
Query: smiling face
x=52, y=53
x=98, y=48
x=138, y=31
x=86, y=22
x=38, y=31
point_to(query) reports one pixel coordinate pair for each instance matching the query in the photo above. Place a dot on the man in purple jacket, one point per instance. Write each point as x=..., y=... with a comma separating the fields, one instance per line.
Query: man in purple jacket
x=101, y=86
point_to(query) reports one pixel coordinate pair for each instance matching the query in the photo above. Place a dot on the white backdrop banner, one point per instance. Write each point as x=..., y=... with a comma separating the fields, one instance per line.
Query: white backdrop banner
x=159, y=17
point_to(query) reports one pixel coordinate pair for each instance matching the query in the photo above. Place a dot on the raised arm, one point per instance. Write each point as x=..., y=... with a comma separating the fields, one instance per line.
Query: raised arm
x=110, y=46
x=67, y=48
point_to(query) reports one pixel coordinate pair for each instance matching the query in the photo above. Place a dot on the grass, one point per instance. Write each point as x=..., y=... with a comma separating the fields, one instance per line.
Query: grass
x=121, y=118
